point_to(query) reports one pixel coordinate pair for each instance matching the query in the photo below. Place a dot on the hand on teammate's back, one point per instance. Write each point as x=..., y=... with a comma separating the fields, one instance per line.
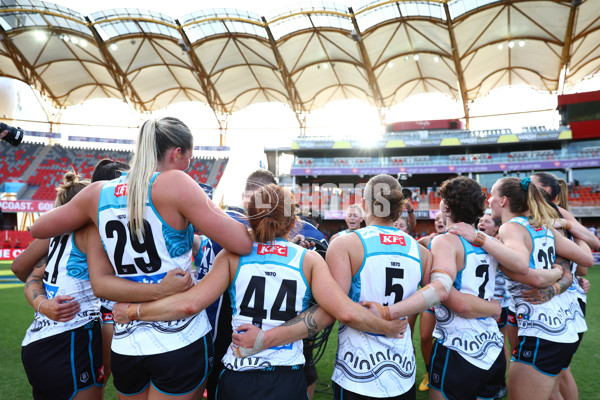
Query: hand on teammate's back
x=60, y=308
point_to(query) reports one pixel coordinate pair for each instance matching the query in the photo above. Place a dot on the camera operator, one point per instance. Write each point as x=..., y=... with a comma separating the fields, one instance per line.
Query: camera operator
x=11, y=134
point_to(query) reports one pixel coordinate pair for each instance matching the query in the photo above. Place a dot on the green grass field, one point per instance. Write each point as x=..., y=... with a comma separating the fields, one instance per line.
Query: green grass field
x=16, y=315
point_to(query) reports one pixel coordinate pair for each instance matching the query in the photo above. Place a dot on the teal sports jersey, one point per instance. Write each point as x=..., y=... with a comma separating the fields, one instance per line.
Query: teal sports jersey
x=374, y=365
x=66, y=274
x=162, y=249
x=269, y=288
x=553, y=320
x=477, y=340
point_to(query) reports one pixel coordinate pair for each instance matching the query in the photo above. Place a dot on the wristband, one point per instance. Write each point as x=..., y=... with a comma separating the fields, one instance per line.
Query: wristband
x=480, y=238
x=40, y=303
x=138, y=312
x=131, y=312
x=411, y=211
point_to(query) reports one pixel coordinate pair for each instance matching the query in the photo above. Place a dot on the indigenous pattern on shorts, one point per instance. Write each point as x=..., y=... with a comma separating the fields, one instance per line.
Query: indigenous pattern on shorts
x=66, y=274
x=162, y=249
x=553, y=320
x=374, y=365
x=269, y=288
x=477, y=340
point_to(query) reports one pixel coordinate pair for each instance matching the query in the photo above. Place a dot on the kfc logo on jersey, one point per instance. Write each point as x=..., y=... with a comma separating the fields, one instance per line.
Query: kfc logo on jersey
x=272, y=249
x=121, y=190
x=392, y=239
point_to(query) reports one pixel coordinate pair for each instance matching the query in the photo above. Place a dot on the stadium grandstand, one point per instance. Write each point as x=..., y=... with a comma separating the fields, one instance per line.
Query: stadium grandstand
x=303, y=59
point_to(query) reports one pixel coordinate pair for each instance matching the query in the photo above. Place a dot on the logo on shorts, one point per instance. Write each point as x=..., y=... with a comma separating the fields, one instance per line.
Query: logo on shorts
x=84, y=377
x=121, y=190
x=435, y=378
x=527, y=354
x=272, y=249
x=392, y=239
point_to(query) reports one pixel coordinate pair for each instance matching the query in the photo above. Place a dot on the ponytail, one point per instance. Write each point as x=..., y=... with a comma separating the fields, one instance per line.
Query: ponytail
x=156, y=137
x=524, y=196
x=562, y=200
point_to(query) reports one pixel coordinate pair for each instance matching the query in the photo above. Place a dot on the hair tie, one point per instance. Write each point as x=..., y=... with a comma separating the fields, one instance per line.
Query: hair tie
x=525, y=182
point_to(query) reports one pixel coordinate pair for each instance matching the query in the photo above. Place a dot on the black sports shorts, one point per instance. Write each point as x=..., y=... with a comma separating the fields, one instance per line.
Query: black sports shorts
x=276, y=383
x=61, y=365
x=458, y=379
x=175, y=372
x=545, y=356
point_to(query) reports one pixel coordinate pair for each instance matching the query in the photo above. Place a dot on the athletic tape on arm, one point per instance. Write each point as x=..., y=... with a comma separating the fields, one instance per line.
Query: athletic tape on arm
x=257, y=348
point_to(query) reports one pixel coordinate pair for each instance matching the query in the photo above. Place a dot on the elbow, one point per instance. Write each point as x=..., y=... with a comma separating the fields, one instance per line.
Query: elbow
x=346, y=316
x=188, y=308
x=589, y=261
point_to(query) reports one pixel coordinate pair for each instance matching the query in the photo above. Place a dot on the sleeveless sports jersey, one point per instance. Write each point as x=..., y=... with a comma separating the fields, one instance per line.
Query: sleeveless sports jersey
x=269, y=288
x=477, y=340
x=162, y=249
x=501, y=292
x=66, y=274
x=554, y=319
x=374, y=365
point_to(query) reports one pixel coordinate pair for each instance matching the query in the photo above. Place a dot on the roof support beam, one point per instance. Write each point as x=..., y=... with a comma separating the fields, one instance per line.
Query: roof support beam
x=125, y=87
x=457, y=65
x=32, y=78
x=373, y=85
x=290, y=86
x=212, y=96
x=565, y=58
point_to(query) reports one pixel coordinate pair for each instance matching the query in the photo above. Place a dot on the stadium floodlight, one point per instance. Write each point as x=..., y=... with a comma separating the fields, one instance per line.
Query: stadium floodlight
x=114, y=47
x=521, y=43
x=436, y=59
x=416, y=57
x=500, y=46
x=511, y=44
x=390, y=64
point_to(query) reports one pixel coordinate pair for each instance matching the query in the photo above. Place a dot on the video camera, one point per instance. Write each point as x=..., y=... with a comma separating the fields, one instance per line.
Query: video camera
x=14, y=135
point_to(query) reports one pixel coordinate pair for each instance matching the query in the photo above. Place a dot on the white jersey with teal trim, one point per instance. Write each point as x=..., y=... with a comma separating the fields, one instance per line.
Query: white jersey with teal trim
x=576, y=292
x=477, y=340
x=553, y=320
x=162, y=249
x=66, y=274
x=374, y=365
x=269, y=288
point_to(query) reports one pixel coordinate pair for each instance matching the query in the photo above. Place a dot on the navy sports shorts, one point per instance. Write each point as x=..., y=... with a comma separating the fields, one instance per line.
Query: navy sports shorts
x=274, y=383
x=458, y=379
x=339, y=393
x=545, y=356
x=61, y=365
x=175, y=372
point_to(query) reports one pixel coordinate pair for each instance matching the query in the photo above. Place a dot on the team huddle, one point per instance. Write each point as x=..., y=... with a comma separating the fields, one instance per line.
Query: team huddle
x=140, y=275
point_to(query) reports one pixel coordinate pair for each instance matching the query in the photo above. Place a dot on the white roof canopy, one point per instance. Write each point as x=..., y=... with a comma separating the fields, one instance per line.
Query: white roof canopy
x=381, y=52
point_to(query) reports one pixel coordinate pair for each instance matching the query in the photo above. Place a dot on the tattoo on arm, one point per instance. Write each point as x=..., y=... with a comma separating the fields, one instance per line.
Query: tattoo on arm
x=306, y=317
x=35, y=281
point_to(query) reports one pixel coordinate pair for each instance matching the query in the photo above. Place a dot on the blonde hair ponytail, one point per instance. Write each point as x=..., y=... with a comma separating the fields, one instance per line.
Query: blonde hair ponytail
x=156, y=137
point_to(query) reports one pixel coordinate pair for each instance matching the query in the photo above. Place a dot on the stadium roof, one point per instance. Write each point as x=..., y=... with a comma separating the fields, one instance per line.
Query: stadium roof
x=381, y=52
